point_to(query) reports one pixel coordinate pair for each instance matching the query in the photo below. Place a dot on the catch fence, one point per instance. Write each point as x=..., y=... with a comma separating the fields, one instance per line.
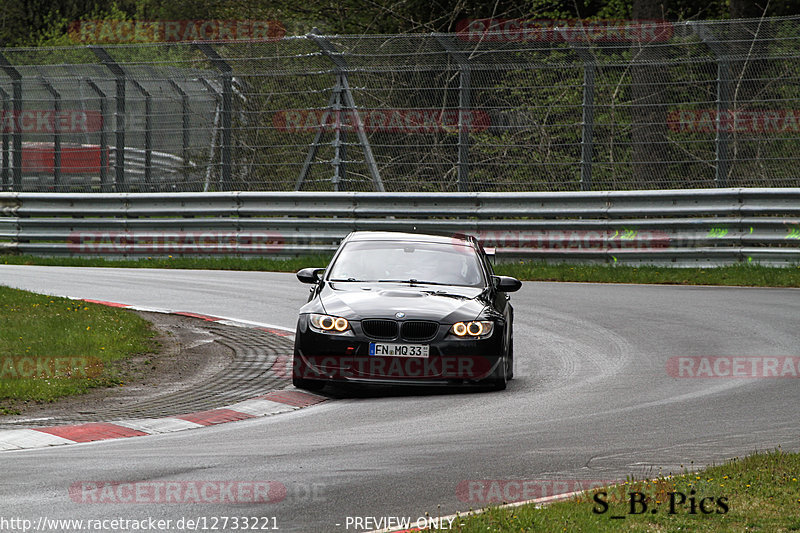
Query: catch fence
x=497, y=106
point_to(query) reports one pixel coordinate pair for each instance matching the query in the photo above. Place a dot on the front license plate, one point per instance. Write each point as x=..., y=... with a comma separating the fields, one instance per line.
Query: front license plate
x=399, y=350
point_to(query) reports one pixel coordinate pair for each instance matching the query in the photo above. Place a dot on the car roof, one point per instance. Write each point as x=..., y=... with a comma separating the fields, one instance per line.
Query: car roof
x=465, y=240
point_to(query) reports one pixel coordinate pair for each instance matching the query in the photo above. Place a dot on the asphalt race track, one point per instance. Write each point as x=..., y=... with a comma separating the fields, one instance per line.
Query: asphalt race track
x=591, y=400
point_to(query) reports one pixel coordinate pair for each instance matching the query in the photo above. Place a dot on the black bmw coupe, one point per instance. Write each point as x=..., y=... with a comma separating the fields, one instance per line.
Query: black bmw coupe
x=404, y=308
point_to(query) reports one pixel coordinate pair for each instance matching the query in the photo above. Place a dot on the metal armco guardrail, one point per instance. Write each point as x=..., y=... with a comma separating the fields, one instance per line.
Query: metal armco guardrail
x=680, y=227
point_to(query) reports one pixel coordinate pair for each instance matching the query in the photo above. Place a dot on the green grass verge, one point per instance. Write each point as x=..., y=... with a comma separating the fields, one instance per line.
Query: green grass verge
x=740, y=275
x=53, y=347
x=197, y=263
x=762, y=493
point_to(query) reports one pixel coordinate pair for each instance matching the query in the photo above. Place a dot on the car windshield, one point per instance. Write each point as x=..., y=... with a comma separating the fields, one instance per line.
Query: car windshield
x=411, y=262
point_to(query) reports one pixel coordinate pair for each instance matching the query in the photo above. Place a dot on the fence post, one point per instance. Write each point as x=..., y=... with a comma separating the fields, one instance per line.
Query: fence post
x=339, y=140
x=217, y=112
x=148, y=137
x=587, y=127
x=227, y=110
x=56, y=133
x=587, y=122
x=105, y=186
x=16, y=99
x=119, y=151
x=343, y=157
x=722, y=138
x=4, y=181
x=464, y=103
x=184, y=127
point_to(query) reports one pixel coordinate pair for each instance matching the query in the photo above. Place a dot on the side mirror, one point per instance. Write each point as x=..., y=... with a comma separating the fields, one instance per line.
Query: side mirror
x=310, y=275
x=506, y=283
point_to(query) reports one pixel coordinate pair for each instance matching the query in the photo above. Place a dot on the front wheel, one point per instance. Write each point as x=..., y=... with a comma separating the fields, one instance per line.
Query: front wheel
x=506, y=368
x=299, y=369
x=511, y=359
x=501, y=381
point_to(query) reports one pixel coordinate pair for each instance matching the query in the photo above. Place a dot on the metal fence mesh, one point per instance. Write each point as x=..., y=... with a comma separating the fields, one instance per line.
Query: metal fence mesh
x=647, y=106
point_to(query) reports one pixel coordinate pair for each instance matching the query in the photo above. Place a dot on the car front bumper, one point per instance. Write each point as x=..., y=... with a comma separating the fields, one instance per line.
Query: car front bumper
x=346, y=358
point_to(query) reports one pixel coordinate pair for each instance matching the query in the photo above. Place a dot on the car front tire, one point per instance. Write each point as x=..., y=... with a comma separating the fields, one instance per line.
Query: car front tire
x=501, y=381
x=300, y=369
x=510, y=355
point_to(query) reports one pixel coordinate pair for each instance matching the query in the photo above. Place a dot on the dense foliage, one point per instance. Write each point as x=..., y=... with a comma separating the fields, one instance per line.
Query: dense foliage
x=46, y=22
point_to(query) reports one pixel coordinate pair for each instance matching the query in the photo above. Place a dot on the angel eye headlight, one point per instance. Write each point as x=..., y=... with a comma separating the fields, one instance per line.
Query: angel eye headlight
x=335, y=324
x=477, y=328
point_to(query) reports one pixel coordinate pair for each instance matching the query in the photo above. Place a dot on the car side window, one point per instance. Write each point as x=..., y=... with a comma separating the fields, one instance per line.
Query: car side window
x=487, y=265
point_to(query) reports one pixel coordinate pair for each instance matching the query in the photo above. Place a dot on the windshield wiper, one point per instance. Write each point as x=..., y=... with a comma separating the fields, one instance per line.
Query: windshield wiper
x=447, y=294
x=412, y=281
x=354, y=280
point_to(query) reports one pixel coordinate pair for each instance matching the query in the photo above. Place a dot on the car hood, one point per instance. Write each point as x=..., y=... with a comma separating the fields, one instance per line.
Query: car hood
x=383, y=300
